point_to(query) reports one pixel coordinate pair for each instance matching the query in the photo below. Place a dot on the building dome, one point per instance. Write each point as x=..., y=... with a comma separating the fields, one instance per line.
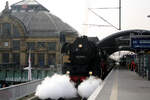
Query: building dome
x=28, y=25
x=38, y=21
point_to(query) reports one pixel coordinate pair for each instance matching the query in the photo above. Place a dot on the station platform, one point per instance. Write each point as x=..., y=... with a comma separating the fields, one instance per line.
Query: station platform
x=122, y=84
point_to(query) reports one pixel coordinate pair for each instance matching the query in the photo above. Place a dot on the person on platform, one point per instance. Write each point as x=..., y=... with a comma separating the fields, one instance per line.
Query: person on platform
x=132, y=66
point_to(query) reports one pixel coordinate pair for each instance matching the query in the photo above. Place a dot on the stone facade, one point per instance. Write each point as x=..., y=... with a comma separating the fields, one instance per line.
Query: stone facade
x=22, y=29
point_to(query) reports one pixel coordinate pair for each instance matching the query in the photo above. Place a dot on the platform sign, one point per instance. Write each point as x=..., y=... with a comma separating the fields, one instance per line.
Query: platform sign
x=140, y=43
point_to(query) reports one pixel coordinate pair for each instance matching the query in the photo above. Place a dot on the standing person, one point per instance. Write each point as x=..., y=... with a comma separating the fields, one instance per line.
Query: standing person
x=132, y=66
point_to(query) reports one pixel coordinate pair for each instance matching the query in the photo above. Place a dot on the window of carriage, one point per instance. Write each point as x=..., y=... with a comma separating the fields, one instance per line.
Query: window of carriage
x=31, y=45
x=15, y=31
x=41, y=44
x=51, y=45
x=16, y=45
x=6, y=28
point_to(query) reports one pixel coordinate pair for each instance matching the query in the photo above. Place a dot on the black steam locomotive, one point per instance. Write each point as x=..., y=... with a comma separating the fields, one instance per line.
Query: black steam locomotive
x=84, y=57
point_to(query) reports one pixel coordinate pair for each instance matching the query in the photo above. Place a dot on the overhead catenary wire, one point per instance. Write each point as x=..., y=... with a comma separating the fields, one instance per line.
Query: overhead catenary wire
x=103, y=18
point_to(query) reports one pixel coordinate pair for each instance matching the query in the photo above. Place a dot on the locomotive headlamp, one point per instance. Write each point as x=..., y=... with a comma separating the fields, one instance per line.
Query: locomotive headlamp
x=80, y=46
x=68, y=72
x=90, y=73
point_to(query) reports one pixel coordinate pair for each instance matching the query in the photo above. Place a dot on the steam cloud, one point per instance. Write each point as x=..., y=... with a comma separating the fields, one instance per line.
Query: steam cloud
x=87, y=87
x=56, y=87
x=60, y=86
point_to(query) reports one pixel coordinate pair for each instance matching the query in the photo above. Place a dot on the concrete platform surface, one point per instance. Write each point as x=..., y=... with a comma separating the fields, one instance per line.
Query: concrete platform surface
x=123, y=85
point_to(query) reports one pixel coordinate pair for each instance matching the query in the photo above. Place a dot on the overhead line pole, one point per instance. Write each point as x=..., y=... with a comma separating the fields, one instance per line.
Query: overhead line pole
x=110, y=25
x=119, y=14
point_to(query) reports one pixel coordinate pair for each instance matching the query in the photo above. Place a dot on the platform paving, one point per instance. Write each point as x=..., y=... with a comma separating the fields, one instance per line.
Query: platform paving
x=123, y=84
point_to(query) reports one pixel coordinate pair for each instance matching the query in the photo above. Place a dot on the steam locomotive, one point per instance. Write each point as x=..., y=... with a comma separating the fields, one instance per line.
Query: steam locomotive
x=84, y=59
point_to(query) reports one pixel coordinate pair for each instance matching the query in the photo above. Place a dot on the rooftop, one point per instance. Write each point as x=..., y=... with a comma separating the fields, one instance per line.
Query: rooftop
x=28, y=5
x=38, y=21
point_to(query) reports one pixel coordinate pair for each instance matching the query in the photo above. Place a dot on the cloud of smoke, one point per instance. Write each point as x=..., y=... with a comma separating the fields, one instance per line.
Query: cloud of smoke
x=56, y=87
x=87, y=87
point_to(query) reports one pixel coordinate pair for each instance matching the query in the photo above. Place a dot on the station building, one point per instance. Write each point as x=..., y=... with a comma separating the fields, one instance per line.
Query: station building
x=26, y=26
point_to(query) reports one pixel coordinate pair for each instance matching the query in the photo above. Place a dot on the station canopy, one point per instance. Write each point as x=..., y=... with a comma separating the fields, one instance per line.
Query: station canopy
x=122, y=40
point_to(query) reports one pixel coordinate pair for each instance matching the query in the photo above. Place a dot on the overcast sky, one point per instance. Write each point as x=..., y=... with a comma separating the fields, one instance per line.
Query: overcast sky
x=75, y=13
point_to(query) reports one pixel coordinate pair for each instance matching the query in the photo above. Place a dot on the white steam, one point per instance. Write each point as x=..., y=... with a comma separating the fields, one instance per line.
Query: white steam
x=56, y=87
x=87, y=87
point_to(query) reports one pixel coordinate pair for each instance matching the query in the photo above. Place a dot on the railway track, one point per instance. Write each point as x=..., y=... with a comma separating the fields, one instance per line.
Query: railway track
x=78, y=98
x=36, y=98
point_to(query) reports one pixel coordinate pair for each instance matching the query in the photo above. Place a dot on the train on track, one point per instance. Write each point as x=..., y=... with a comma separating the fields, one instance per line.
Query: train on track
x=85, y=58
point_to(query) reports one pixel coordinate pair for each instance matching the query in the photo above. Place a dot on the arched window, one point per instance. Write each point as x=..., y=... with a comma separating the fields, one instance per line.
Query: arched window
x=16, y=58
x=41, y=59
x=31, y=45
x=5, y=57
x=41, y=44
x=16, y=45
x=51, y=46
x=15, y=31
x=6, y=29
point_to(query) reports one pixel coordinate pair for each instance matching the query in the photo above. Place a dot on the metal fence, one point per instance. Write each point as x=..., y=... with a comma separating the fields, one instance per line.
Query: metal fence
x=18, y=91
x=15, y=92
x=20, y=75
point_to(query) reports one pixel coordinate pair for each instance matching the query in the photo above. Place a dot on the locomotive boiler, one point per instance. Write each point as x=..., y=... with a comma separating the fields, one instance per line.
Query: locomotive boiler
x=84, y=58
